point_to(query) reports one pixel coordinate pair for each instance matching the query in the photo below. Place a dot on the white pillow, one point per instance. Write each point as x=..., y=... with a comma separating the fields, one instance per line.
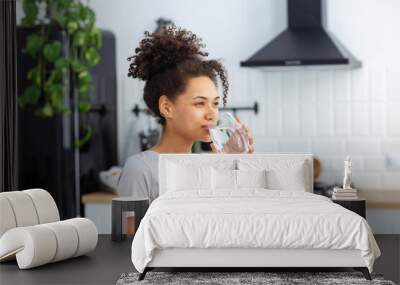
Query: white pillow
x=183, y=177
x=251, y=178
x=236, y=179
x=282, y=174
x=224, y=179
x=287, y=179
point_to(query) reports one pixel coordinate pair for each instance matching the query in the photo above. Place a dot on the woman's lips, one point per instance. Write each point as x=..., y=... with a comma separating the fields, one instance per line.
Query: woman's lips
x=207, y=126
x=206, y=129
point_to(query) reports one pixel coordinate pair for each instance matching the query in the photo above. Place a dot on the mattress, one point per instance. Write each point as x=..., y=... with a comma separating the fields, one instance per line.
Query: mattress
x=250, y=219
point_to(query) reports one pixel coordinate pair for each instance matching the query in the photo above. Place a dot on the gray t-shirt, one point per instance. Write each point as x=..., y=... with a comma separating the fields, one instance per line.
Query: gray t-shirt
x=139, y=177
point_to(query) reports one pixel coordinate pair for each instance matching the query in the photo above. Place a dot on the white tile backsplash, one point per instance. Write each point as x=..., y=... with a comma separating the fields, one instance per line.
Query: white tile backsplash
x=308, y=122
x=273, y=88
x=273, y=100
x=294, y=145
x=391, y=146
x=377, y=118
x=257, y=87
x=290, y=87
x=291, y=120
x=377, y=84
x=363, y=146
x=343, y=118
x=340, y=113
x=391, y=181
x=360, y=126
x=328, y=146
x=393, y=83
x=337, y=164
x=393, y=118
x=307, y=87
x=324, y=86
x=359, y=84
x=367, y=181
x=325, y=120
x=342, y=85
x=264, y=144
x=375, y=163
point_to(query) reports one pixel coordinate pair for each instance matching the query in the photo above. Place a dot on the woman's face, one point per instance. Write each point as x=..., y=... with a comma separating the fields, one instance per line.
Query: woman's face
x=196, y=109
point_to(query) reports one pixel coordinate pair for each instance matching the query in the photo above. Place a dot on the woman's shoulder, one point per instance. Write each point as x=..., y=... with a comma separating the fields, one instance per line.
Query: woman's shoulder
x=138, y=160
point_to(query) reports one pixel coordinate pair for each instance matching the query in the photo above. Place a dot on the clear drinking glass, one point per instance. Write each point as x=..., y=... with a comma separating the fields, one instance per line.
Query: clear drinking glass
x=228, y=135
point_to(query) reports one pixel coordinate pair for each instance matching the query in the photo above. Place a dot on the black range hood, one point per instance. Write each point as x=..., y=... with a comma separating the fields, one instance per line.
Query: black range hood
x=305, y=43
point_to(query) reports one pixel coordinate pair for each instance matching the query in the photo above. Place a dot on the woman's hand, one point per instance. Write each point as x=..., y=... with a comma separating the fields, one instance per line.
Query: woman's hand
x=231, y=147
x=248, y=135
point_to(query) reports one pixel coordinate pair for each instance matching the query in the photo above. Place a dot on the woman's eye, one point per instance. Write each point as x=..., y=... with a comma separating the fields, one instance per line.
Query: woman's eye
x=202, y=103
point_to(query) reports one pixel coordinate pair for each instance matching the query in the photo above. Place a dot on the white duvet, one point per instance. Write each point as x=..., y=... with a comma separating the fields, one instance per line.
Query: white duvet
x=251, y=218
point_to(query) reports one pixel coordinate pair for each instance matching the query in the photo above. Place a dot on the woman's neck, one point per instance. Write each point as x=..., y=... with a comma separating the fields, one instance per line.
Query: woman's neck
x=171, y=142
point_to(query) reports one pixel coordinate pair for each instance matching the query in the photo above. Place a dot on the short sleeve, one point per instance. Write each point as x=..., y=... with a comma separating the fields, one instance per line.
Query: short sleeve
x=133, y=181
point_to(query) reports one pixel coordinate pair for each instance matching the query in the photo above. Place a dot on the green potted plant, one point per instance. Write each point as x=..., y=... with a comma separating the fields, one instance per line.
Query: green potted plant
x=44, y=95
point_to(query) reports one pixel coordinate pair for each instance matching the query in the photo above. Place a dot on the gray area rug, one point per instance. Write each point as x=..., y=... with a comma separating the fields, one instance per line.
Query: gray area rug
x=226, y=278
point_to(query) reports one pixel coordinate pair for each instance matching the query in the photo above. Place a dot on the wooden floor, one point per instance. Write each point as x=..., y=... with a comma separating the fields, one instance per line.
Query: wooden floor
x=111, y=259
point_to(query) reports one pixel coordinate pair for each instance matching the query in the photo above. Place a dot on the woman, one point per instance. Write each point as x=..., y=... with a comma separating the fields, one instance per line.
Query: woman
x=181, y=91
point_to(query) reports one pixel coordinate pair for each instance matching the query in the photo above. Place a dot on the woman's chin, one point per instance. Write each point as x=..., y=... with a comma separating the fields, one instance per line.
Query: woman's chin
x=205, y=136
x=206, y=139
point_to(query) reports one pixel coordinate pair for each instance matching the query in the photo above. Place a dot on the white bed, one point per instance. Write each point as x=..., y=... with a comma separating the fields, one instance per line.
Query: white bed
x=201, y=220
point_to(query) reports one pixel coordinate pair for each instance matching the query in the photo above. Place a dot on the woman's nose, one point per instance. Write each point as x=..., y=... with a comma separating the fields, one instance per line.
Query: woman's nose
x=212, y=113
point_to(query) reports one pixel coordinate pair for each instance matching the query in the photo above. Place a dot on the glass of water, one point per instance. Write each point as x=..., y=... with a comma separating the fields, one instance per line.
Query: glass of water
x=228, y=135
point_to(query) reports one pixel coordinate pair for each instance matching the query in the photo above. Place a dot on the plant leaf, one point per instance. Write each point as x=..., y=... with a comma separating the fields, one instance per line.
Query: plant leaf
x=63, y=4
x=77, y=66
x=86, y=138
x=30, y=13
x=84, y=77
x=30, y=97
x=56, y=99
x=72, y=27
x=96, y=38
x=46, y=111
x=92, y=56
x=52, y=51
x=84, y=89
x=79, y=39
x=62, y=65
x=34, y=44
x=34, y=76
x=61, y=20
x=84, y=106
x=55, y=76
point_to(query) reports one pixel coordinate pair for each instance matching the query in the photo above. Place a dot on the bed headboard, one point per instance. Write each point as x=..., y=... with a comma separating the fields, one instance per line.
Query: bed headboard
x=228, y=159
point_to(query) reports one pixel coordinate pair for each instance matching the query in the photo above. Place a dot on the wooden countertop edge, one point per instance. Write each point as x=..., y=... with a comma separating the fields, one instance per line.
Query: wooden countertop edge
x=386, y=199
x=385, y=205
x=98, y=198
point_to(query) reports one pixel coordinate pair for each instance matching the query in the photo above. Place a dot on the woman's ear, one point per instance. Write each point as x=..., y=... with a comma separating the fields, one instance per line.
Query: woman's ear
x=165, y=106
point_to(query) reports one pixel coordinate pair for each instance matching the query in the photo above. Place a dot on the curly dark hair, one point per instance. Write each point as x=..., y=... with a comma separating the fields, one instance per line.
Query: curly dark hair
x=166, y=60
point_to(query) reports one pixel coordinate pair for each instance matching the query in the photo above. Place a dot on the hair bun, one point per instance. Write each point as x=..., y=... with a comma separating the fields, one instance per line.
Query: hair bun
x=162, y=50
